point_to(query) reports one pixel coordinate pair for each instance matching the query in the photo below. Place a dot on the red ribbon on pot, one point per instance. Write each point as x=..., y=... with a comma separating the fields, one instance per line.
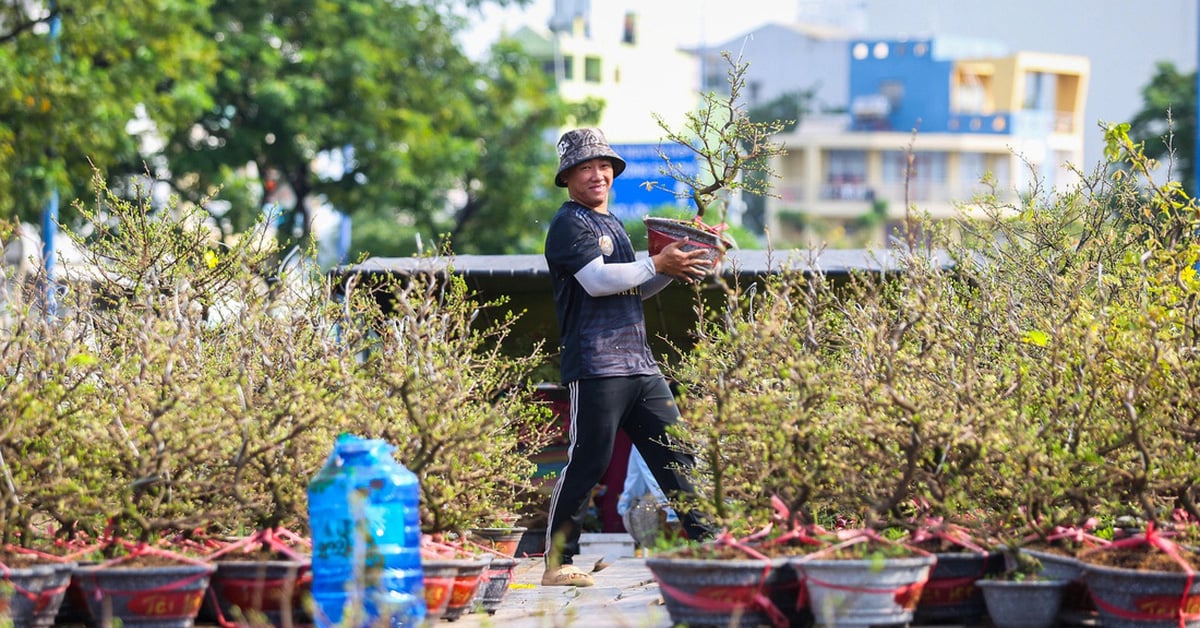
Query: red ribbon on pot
x=278, y=540
x=1076, y=534
x=757, y=600
x=937, y=528
x=1154, y=538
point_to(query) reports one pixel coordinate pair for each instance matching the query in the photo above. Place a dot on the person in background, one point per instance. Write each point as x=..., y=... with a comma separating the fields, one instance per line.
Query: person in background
x=643, y=506
x=612, y=378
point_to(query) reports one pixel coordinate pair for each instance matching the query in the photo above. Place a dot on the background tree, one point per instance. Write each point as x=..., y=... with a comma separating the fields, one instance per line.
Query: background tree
x=789, y=108
x=381, y=89
x=71, y=94
x=509, y=187
x=1167, y=122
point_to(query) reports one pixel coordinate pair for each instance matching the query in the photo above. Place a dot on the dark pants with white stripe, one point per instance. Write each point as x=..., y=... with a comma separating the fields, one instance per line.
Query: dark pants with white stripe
x=641, y=405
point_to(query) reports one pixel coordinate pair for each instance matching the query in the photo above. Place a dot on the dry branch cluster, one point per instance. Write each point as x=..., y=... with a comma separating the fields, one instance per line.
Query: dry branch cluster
x=1034, y=366
x=172, y=389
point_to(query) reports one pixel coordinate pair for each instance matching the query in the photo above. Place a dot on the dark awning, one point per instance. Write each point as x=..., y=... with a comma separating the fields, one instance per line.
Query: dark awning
x=525, y=281
x=533, y=266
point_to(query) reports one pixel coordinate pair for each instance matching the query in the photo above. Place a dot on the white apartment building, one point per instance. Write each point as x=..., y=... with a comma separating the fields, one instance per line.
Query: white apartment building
x=928, y=120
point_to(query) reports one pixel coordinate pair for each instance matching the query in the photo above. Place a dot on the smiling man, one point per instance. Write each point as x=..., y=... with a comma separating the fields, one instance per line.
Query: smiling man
x=611, y=375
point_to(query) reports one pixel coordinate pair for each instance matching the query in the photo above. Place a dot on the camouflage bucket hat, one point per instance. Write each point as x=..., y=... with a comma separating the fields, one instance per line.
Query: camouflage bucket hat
x=580, y=145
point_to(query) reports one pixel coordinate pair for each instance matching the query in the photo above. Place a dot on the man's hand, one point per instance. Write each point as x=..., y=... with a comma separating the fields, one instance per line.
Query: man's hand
x=686, y=266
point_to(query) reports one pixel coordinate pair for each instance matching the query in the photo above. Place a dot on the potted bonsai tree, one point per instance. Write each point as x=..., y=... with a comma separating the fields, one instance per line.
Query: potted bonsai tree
x=43, y=370
x=1149, y=330
x=436, y=380
x=721, y=423
x=150, y=436
x=729, y=146
x=290, y=375
x=1050, y=429
x=1020, y=596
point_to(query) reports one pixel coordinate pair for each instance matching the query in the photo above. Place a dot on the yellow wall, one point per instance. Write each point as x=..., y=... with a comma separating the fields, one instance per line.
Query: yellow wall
x=1007, y=87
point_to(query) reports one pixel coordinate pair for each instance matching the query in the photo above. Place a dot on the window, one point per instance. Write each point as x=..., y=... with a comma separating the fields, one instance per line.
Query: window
x=568, y=67
x=970, y=96
x=847, y=176
x=591, y=69
x=893, y=90
x=926, y=175
x=926, y=167
x=971, y=168
x=1039, y=92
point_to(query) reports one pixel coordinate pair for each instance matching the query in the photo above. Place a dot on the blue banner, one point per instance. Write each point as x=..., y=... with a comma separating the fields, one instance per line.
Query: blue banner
x=630, y=198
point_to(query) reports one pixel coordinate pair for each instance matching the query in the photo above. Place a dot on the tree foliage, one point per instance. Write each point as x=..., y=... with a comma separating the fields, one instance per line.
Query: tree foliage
x=511, y=113
x=1167, y=121
x=377, y=82
x=381, y=93
x=385, y=91
x=76, y=73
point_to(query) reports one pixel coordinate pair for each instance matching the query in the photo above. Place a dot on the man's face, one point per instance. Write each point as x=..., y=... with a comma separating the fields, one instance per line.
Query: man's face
x=589, y=182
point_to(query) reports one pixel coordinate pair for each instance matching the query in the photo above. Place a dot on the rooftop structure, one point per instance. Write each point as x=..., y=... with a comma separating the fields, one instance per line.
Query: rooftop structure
x=637, y=75
x=928, y=119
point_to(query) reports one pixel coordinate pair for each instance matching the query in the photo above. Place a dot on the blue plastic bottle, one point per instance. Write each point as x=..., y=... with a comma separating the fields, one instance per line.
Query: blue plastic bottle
x=363, y=510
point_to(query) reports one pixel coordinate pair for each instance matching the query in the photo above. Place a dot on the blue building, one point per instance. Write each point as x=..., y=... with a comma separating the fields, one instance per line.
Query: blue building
x=966, y=108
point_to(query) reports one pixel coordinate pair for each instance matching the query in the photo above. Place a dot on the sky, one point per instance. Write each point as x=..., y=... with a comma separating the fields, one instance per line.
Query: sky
x=1122, y=41
x=695, y=21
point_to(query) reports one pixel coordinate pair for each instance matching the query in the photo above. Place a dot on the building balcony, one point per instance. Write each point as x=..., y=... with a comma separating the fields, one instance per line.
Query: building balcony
x=896, y=194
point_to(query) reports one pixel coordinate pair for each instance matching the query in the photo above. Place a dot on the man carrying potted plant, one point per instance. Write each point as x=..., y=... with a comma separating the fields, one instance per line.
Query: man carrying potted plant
x=612, y=377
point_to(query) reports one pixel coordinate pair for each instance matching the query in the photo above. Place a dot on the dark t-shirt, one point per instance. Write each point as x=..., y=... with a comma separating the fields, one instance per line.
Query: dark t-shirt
x=601, y=336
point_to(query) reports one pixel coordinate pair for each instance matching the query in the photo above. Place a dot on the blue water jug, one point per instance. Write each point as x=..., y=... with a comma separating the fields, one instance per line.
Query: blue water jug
x=363, y=510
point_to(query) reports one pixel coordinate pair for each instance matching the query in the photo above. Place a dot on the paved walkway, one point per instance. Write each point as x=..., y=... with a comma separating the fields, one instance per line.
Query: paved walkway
x=624, y=596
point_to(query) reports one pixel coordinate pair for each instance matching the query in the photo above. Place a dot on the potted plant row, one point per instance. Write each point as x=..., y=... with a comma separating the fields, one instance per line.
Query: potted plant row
x=1023, y=369
x=1008, y=374
x=174, y=406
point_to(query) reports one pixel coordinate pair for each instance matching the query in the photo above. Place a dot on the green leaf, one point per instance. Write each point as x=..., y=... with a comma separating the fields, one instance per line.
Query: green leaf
x=1036, y=338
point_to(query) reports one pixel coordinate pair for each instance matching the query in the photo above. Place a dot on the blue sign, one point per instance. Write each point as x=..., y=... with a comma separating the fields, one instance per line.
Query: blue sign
x=630, y=198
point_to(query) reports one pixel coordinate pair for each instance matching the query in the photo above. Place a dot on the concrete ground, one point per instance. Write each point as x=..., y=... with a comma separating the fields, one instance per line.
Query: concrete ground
x=624, y=596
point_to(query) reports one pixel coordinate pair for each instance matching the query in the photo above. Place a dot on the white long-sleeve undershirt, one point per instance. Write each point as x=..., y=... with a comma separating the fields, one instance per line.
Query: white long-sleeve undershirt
x=601, y=280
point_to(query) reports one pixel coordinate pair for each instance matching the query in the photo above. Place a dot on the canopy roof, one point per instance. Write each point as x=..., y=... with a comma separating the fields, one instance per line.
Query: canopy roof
x=524, y=281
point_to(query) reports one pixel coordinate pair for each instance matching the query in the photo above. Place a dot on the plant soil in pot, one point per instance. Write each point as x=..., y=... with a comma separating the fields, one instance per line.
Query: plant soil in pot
x=662, y=231
x=1023, y=604
x=864, y=581
x=1143, y=581
x=33, y=588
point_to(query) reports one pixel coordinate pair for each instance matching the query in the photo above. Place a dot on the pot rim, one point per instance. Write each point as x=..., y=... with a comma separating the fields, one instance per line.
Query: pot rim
x=187, y=568
x=1015, y=584
x=900, y=561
